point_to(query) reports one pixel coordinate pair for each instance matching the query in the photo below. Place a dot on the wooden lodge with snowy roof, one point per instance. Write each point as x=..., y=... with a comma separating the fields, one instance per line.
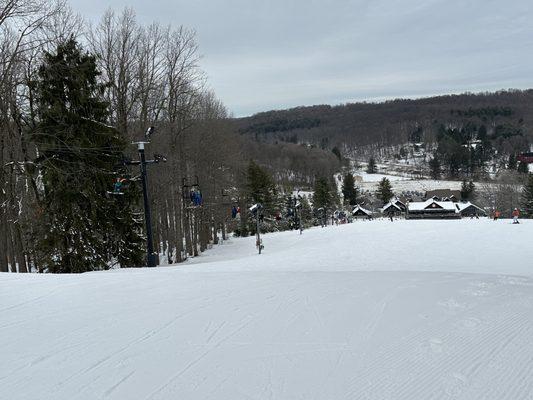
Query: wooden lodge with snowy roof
x=432, y=209
x=361, y=213
x=395, y=207
x=468, y=209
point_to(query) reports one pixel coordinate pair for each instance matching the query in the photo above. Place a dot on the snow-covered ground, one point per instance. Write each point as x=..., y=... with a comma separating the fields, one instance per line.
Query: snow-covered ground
x=371, y=310
x=366, y=177
x=402, y=183
x=419, y=185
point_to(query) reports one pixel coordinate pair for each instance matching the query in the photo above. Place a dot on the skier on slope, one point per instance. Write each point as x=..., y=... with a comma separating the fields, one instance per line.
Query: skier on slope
x=516, y=214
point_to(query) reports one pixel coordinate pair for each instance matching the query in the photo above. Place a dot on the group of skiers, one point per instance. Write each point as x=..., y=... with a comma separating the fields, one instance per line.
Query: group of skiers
x=515, y=214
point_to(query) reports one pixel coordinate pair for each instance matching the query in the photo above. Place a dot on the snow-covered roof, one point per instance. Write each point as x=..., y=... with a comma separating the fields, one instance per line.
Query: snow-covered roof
x=462, y=206
x=431, y=204
x=443, y=193
x=395, y=202
x=359, y=208
x=391, y=204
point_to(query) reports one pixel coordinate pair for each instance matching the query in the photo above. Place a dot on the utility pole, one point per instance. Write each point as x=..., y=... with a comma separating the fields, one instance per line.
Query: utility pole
x=152, y=258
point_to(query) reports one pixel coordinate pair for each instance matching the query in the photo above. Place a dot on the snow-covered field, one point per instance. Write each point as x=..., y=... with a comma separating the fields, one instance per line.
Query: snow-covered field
x=371, y=310
x=402, y=183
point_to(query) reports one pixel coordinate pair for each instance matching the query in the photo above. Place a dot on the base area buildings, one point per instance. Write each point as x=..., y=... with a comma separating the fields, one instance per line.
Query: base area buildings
x=434, y=209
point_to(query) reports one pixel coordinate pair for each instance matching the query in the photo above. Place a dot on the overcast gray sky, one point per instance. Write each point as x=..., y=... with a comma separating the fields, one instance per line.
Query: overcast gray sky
x=274, y=54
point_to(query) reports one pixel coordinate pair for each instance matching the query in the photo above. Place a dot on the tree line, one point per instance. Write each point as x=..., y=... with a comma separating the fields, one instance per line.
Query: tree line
x=501, y=120
x=72, y=99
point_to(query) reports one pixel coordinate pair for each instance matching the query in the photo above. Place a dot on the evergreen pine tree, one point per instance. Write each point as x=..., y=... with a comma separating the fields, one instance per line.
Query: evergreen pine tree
x=523, y=167
x=435, y=168
x=337, y=153
x=384, y=191
x=471, y=191
x=260, y=187
x=372, y=167
x=80, y=228
x=465, y=191
x=468, y=191
x=512, y=162
x=306, y=211
x=323, y=196
x=349, y=191
x=527, y=197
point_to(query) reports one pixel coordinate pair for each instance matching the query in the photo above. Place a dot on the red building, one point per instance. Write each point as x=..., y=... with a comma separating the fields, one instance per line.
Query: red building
x=526, y=158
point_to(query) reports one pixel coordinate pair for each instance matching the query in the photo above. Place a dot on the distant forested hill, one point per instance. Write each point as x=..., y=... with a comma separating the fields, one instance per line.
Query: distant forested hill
x=505, y=119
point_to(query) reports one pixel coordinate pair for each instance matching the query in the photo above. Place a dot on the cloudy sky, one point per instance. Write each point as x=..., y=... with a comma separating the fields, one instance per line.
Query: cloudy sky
x=274, y=54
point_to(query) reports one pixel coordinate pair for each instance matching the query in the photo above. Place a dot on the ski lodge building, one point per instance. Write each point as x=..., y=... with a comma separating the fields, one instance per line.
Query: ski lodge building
x=360, y=212
x=395, y=207
x=434, y=209
x=468, y=209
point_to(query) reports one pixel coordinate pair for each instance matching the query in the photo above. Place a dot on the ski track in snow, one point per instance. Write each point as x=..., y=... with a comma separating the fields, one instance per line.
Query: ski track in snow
x=371, y=310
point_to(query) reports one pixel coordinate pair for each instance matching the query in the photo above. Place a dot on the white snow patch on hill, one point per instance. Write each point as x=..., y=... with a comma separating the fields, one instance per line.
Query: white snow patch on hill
x=377, y=177
x=371, y=310
x=400, y=183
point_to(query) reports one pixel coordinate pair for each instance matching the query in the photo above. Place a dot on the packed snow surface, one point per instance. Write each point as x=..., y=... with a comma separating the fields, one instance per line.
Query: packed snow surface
x=371, y=310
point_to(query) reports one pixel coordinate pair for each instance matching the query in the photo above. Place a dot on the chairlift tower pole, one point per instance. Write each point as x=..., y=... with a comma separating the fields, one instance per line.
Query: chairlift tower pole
x=299, y=216
x=258, y=233
x=150, y=259
x=257, y=208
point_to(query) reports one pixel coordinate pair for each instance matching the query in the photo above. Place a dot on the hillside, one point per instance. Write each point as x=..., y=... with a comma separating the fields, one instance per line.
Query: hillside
x=504, y=117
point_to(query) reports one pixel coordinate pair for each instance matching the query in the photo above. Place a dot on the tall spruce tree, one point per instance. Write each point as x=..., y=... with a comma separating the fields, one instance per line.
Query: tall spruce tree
x=465, y=192
x=384, y=191
x=527, y=197
x=80, y=227
x=337, y=153
x=371, y=167
x=523, y=167
x=512, y=163
x=468, y=190
x=349, y=190
x=472, y=193
x=260, y=186
x=434, y=167
x=323, y=197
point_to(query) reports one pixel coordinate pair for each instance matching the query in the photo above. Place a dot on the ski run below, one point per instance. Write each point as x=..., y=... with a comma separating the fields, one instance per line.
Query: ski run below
x=370, y=310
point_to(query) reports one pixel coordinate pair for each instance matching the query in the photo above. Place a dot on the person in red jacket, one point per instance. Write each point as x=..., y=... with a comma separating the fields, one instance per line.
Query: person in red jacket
x=516, y=214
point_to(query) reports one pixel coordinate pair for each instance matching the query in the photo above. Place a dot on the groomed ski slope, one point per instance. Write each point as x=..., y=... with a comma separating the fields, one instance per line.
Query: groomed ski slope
x=371, y=310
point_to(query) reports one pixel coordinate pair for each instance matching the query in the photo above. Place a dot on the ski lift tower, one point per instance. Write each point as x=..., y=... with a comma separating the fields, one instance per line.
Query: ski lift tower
x=152, y=258
x=298, y=212
x=256, y=210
